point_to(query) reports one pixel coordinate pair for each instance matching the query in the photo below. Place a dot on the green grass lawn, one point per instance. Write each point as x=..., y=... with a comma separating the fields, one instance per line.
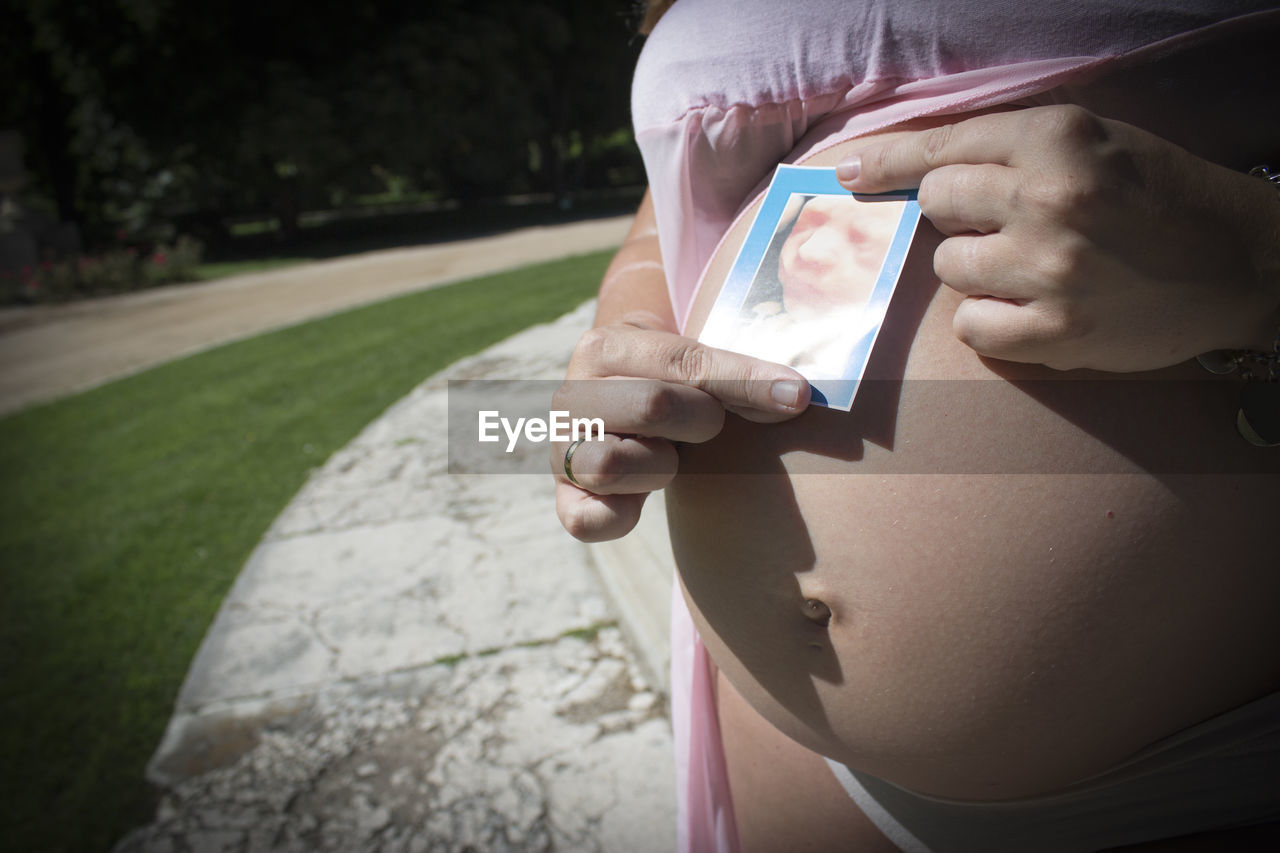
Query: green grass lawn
x=127, y=511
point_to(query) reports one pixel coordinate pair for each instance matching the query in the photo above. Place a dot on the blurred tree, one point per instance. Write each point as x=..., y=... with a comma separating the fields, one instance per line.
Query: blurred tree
x=92, y=165
x=584, y=59
x=139, y=111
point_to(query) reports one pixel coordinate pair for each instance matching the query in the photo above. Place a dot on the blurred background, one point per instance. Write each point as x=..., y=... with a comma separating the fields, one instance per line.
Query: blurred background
x=153, y=148
x=184, y=133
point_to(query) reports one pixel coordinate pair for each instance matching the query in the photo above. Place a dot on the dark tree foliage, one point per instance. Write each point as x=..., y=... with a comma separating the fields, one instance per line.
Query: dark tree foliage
x=137, y=112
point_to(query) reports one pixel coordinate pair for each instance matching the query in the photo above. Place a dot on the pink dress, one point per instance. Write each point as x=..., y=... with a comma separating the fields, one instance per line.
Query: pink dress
x=726, y=89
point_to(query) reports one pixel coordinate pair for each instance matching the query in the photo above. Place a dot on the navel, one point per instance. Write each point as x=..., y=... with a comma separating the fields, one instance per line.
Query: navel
x=817, y=612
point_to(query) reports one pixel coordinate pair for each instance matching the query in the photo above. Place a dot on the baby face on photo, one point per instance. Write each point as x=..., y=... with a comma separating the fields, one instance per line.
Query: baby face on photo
x=832, y=257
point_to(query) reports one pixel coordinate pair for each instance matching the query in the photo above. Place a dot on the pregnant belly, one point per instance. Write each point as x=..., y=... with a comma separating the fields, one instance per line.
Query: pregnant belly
x=987, y=580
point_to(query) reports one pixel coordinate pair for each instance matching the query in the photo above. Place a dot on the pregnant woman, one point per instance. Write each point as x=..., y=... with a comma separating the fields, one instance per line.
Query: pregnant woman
x=998, y=605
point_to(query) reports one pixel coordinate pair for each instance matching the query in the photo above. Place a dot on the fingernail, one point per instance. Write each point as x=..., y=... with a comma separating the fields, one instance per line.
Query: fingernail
x=786, y=392
x=849, y=169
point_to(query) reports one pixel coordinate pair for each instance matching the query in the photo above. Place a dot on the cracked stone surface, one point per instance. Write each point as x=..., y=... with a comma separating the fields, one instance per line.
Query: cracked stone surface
x=413, y=660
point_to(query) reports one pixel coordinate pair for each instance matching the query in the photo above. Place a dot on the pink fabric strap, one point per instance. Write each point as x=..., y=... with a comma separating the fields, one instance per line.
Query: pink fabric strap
x=704, y=806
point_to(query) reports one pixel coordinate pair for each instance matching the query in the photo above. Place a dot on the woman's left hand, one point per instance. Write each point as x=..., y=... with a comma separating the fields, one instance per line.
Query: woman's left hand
x=1084, y=242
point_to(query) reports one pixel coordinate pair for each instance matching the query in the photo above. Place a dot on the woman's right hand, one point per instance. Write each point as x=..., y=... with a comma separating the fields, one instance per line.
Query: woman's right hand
x=652, y=388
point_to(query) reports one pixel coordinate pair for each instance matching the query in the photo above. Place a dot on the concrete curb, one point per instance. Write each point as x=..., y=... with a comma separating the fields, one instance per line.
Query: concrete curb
x=638, y=572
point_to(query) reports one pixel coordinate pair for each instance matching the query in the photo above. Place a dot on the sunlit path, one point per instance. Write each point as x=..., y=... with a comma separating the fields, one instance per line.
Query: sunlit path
x=50, y=351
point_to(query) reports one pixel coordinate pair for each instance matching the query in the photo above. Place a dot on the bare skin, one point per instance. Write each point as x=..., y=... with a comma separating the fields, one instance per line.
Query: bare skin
x=998, y=562
x=785, y=797
x=788, y=800
x=978, y=622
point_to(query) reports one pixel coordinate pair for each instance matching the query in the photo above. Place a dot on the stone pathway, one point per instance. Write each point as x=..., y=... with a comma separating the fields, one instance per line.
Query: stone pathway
x=419, y=661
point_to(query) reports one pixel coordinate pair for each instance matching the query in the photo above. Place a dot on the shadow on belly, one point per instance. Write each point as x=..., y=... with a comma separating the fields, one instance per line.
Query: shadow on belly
x=743, y=558
x=748, y=558
x=740, y=567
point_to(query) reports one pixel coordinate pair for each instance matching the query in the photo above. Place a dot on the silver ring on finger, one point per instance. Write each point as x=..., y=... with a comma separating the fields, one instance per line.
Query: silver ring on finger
x=568, y=461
